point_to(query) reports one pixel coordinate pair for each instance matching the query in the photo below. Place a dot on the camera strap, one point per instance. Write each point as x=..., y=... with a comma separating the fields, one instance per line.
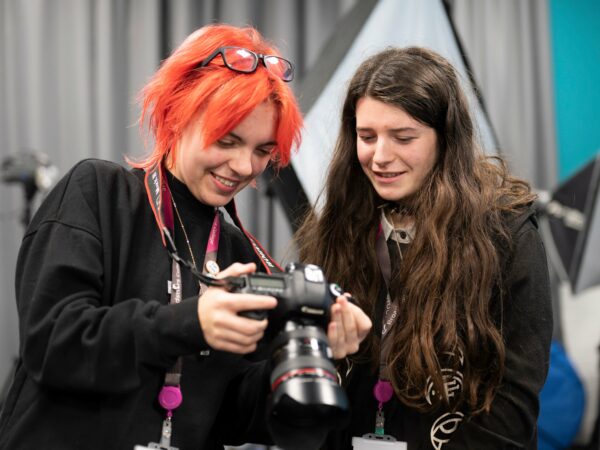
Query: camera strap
x=267, y=260
x=160, y=200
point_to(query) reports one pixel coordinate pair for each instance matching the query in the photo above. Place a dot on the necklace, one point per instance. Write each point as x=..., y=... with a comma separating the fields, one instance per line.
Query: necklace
x=187, y=239
x=401, y=218
x=401, y=210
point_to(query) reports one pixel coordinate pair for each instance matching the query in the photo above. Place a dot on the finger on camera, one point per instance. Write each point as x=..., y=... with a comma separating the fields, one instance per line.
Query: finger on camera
x=346, y=316
x=349, y=298
x=248, y=326
x=337, y=327
x=237, y=269
x=349, y=320
x=250, y=302
x=345, y=299
x=338, y=346
x=335, y=310
x=333, y=336
x=363, y=322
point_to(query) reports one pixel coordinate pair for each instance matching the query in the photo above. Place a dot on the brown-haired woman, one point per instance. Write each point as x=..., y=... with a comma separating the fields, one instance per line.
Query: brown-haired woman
x=439, y=244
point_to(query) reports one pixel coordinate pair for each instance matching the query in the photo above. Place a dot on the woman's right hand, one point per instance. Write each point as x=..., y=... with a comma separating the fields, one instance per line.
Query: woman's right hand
x=224, y=329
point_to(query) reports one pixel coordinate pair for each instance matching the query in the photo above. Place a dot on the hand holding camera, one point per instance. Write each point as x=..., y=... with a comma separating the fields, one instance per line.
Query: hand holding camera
x=306, y=400
x=219, y=313
x=299, y=316
x=349, y=325
x=300, y=299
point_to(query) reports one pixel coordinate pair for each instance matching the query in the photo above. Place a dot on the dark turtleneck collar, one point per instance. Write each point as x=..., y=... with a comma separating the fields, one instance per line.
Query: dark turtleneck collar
x=188, y=205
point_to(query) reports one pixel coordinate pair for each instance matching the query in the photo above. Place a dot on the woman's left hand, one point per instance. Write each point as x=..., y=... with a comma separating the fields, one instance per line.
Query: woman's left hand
x=349, y=325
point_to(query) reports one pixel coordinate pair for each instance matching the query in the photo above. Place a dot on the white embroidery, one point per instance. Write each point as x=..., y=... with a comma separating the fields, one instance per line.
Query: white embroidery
x=390, y=314
x=447, y=423
x=453, y=380
x=443, y=427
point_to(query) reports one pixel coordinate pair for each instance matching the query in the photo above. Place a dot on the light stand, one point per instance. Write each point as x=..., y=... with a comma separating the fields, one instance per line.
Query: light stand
x=35, y=173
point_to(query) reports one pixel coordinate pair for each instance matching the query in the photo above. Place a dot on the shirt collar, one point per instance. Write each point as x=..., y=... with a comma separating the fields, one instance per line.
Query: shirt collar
x=402, y=235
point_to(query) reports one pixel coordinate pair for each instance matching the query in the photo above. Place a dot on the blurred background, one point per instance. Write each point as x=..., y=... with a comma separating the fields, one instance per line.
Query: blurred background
x=70, y=71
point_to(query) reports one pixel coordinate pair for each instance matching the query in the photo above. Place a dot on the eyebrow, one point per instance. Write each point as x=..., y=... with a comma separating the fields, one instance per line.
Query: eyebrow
x=239, y=139
x=393, y=130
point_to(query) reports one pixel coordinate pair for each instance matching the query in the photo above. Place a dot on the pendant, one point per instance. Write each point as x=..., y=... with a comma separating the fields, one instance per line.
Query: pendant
x=212, y=267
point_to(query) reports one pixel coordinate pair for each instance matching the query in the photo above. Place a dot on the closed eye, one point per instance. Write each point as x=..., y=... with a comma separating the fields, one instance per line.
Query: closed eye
x=367, y=138
x=265, y=150
x=227, y=143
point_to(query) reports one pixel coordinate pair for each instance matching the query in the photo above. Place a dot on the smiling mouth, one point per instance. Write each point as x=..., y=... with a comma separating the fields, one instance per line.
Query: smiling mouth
x=388, y=174
x=227, y=182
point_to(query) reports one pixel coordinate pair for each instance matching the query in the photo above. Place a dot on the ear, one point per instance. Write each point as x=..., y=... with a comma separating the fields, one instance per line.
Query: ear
x=171, y=156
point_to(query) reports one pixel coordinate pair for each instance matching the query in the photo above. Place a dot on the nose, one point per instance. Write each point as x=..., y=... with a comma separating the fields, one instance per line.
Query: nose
x=241, y=162
x=382, y=155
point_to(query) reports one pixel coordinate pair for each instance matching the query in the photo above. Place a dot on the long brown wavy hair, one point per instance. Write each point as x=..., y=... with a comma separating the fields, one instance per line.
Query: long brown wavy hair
x=452, y=271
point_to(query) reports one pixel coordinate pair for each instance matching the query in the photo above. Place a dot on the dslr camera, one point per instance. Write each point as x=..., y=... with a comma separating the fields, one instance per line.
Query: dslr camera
x=306, y=399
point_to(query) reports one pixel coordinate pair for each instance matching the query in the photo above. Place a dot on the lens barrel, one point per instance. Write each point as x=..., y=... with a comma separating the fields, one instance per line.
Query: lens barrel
x=306, y=400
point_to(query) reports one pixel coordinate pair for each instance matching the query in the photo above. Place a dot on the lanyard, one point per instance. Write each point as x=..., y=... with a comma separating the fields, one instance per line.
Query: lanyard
x=383, y=390
x=159, y=196
x=390, y=312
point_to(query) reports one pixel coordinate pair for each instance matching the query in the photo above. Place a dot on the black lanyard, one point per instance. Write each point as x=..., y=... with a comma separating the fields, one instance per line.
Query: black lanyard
x=383, y=391
x=390, y=309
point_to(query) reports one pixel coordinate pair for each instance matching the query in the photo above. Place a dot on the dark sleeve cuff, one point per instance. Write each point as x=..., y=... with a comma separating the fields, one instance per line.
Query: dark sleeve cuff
x=180, y=330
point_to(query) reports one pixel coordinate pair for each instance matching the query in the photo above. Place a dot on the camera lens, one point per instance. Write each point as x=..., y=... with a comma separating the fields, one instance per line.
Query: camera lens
x=306, y=400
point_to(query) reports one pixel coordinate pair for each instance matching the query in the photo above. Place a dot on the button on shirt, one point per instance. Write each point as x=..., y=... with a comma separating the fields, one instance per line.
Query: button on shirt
x=402, y=236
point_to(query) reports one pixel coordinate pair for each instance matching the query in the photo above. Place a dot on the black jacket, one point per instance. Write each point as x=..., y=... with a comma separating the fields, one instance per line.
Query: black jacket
x=97, y=333
x=527, y=331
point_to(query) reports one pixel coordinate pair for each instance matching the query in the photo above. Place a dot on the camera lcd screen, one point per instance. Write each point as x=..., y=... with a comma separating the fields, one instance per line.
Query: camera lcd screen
x=267, y=282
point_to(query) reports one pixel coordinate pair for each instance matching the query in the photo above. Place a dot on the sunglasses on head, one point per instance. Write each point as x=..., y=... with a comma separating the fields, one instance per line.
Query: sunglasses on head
x=246, y=61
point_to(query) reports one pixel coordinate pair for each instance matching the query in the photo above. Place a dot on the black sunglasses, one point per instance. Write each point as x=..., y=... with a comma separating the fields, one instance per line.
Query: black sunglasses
x=243, y=60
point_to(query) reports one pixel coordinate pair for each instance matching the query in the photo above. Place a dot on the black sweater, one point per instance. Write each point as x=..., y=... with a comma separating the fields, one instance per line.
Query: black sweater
x=97, y=332
x=527, y=331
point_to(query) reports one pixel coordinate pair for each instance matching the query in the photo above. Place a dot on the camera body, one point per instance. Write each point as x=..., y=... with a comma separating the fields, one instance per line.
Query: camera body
x=302, y=292
x=306, y=400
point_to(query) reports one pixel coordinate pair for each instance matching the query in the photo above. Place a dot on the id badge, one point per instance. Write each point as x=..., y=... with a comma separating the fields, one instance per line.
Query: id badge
x=373, y=441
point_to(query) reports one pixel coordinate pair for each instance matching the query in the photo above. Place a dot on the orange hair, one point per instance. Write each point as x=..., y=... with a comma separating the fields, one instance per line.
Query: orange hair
x=177, y=91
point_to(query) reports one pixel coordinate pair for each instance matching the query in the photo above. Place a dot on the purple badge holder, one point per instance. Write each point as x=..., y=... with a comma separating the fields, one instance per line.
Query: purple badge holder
x=170, y=397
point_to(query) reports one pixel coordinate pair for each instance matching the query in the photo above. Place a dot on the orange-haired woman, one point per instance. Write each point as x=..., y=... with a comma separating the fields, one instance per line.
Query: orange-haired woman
x=439, y=244
x=120, y=344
